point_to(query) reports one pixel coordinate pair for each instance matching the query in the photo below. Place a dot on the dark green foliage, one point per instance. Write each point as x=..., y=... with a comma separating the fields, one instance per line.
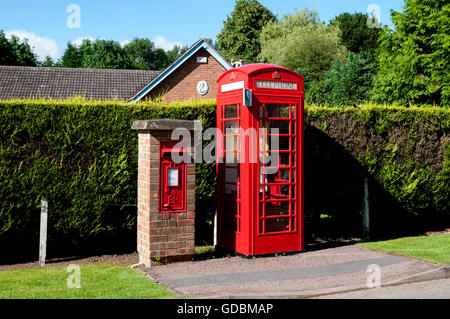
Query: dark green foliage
x=16, y=52
x=48, y=62
x=140, y=53
x=346, y=83
x=175, y=53
x=355, y=34
x=239, y=38
x=105, y=54
x=414, y=59
x=300, y=41
x=405, y=152
x=146, y=56
x=72, y=57
x=82, y=157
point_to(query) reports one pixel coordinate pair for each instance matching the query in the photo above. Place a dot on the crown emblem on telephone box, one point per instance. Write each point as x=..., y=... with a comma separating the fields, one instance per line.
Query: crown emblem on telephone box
x=276, y=75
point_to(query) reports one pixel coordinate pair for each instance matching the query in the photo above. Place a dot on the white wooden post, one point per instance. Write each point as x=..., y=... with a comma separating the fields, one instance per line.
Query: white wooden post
x=43, y=232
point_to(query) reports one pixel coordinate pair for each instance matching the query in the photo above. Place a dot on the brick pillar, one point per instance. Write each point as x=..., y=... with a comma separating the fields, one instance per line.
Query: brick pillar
x=169, y=236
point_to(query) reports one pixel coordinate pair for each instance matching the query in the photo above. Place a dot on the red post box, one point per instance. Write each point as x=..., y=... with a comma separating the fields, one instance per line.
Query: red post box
x=173, y=179
x=260, y=160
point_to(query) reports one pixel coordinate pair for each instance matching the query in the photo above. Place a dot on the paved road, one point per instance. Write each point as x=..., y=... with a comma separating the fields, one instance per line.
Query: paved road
x=435, y=289
x=305, y=274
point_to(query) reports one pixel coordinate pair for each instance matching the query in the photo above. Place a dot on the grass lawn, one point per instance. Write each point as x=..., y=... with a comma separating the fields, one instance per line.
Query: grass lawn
x=97, y=282
x=432, y=248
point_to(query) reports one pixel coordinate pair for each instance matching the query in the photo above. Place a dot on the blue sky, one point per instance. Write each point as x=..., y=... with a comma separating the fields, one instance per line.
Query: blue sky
x=166, y=23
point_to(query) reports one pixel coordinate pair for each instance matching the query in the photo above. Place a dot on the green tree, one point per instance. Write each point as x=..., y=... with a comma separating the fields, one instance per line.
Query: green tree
x=72, y=57
x=175, y=53
x=414, y=59
x=16, y=52
x=145, y=56
x=355, y=34
x=106, y=54
x=346, y=83
x=239, y=38
x=299, y=41
x=48, y=62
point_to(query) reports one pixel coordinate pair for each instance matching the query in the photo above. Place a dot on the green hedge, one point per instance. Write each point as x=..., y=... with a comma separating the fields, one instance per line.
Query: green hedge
x=82, y=157
x=405, y=152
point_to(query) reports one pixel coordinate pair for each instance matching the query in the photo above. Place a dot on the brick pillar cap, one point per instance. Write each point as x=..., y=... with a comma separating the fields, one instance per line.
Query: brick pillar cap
x=165, y=125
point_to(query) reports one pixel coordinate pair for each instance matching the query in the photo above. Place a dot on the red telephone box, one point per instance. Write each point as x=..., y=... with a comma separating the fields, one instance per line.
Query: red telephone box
x=260, y=160
x=173, y=179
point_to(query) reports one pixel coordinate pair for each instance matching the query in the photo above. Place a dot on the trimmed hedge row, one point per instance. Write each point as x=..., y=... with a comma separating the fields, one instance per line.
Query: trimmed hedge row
x=405, y=152
x=82, y=157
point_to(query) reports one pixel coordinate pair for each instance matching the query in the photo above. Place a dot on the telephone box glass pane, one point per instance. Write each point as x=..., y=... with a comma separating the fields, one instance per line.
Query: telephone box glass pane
x=284, y=159
x=277, y=225
x=277, y=208
x=231, y=174
x=278, y=127
x=277, y=110
x=230, y=111
x=172, y=176
x=284, y=143
x=231, y=127
x=284, y=190
x=231, y=143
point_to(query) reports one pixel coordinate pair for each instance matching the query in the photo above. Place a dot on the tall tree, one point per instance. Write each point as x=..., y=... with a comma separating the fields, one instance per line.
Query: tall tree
x=414, y=59
x=145, y=56
x=106, y=54
x=175, y=53
x=48, y=62
x=16, y=52
x=72, y=57
x=138, y=54
x=299, y=41
x=355, y=34
x=239, y=38
x=346, y=83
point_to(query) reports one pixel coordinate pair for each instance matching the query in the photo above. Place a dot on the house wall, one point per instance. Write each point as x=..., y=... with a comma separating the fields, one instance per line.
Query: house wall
x=182, y=83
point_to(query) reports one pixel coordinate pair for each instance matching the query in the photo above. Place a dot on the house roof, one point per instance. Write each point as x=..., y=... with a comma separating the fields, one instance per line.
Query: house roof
x=202, y=43
x=98, y=84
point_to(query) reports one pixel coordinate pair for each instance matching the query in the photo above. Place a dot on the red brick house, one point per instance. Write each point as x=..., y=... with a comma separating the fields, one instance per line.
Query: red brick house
x=192, y=75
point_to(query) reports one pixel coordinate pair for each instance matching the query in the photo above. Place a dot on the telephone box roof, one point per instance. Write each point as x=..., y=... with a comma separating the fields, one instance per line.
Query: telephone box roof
x=254, y=68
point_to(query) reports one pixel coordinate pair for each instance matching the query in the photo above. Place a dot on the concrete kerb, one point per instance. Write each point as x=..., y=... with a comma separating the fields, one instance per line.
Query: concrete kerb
x=434, y=274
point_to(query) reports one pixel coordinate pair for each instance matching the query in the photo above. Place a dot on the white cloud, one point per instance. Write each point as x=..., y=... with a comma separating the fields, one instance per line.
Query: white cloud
x=41, y=46
x=161, y=42
x=124, y=43
x=78, y=41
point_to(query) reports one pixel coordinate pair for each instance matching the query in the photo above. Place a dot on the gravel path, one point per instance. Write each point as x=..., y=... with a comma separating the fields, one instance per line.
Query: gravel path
x=313, y=270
